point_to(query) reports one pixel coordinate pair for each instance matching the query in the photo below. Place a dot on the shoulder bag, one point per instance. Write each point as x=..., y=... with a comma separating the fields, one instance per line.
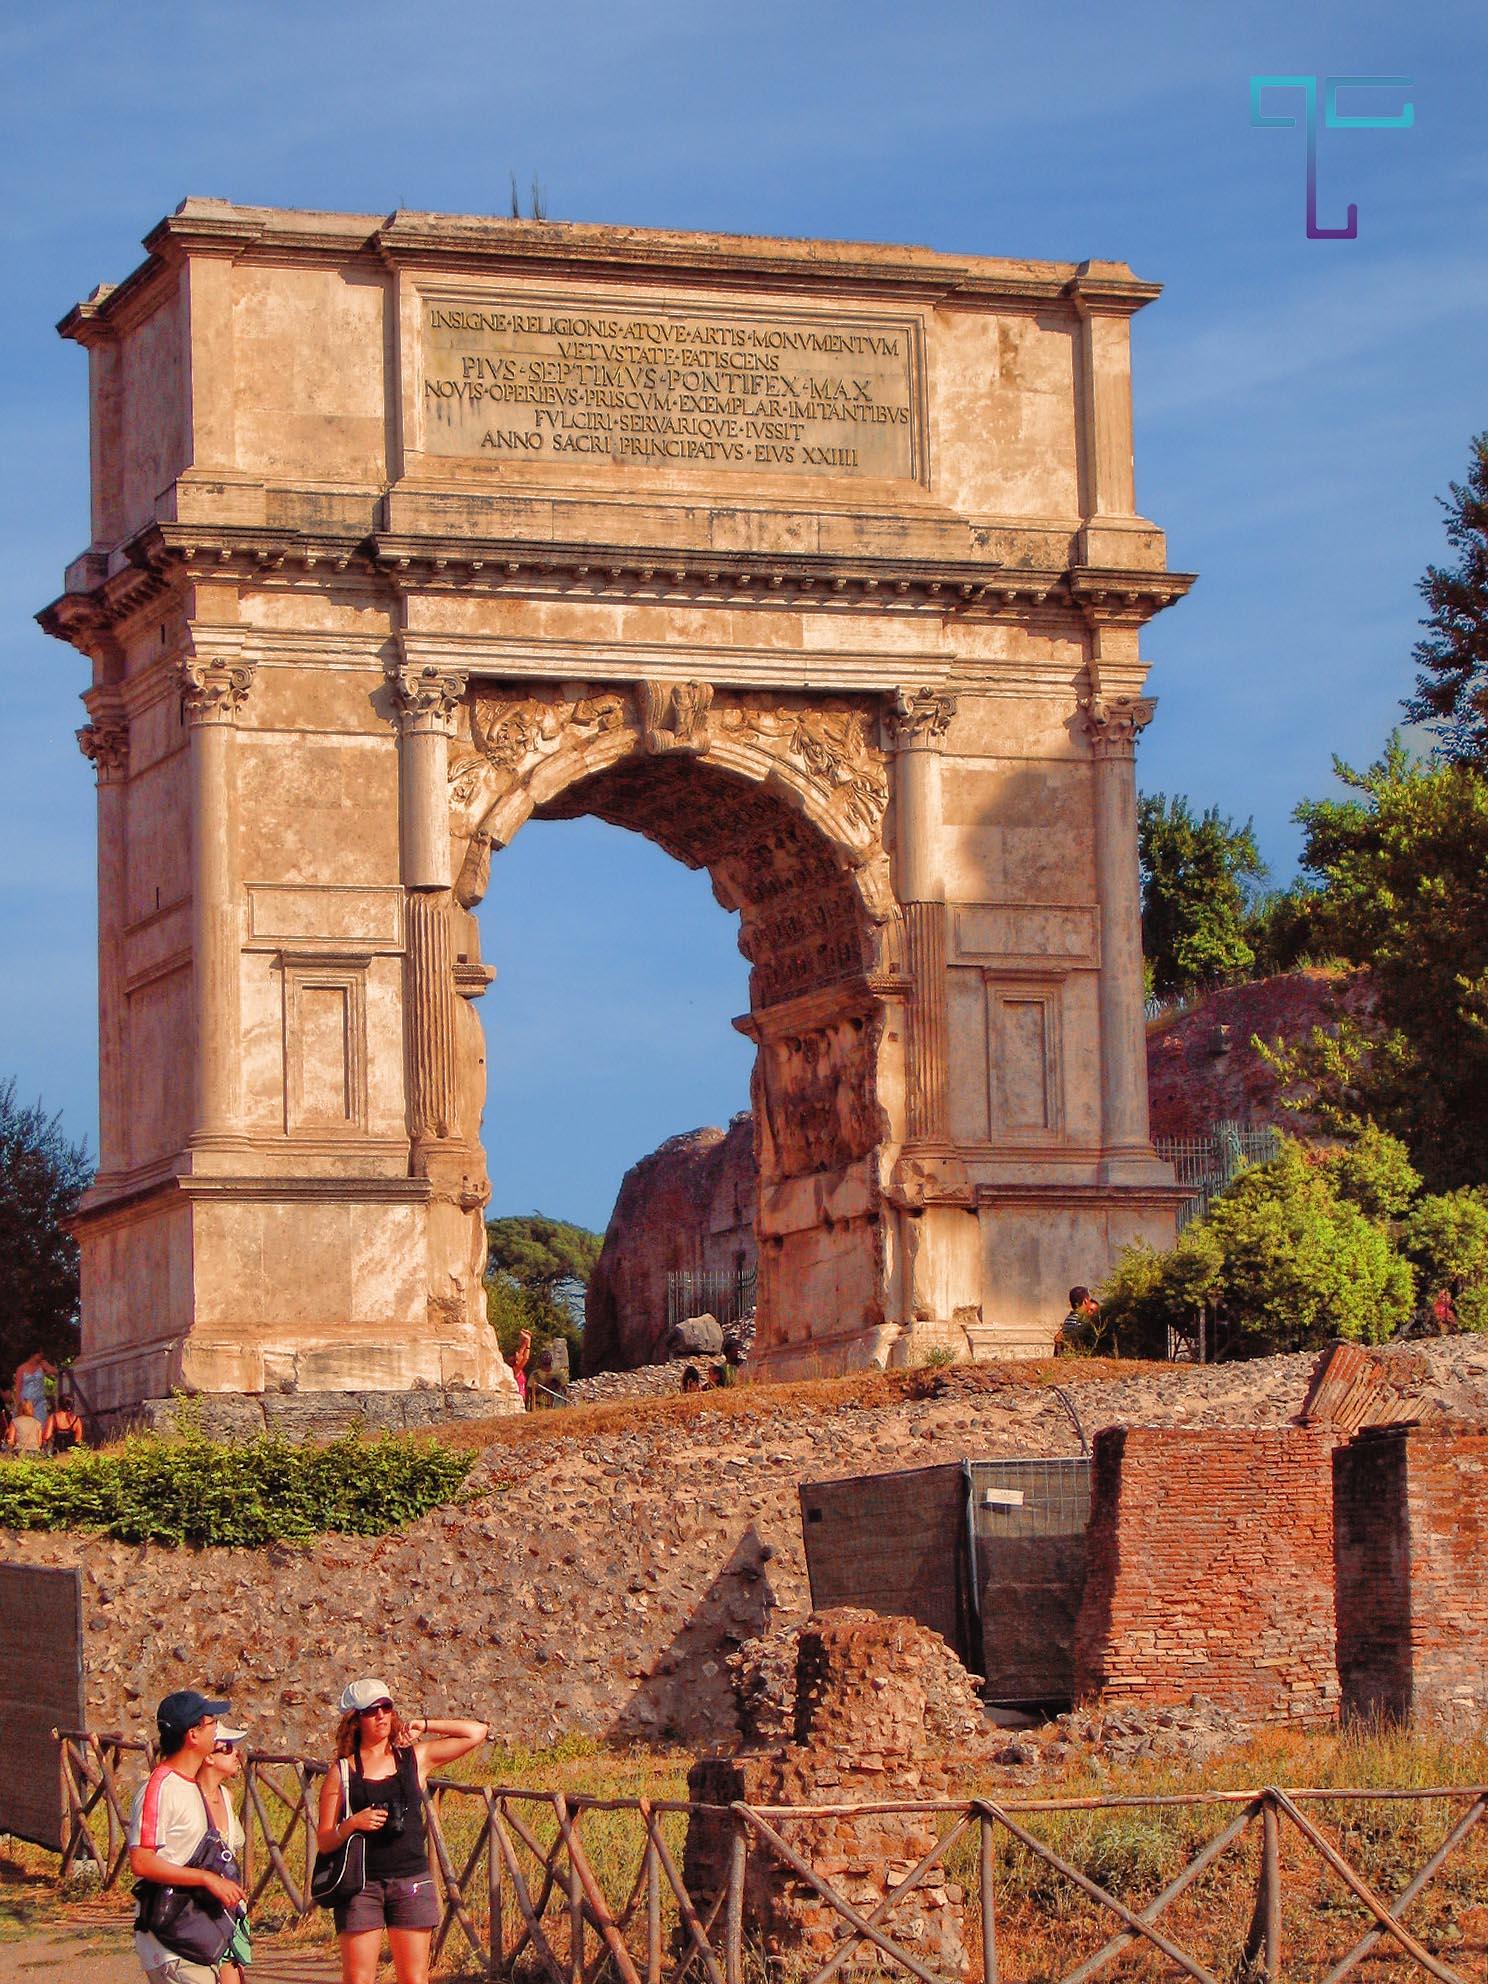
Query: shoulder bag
x=189, y=1922
x=342, y=1872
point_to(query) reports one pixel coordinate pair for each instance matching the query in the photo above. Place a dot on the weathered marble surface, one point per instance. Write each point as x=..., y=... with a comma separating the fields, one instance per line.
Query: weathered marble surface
x=819, y=563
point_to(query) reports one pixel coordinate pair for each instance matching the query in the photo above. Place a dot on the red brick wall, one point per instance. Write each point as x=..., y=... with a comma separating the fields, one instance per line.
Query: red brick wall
x=1412, y=1573
x=1211, y=1571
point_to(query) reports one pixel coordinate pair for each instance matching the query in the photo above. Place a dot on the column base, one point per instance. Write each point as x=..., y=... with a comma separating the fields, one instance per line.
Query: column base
x=1135, y=1164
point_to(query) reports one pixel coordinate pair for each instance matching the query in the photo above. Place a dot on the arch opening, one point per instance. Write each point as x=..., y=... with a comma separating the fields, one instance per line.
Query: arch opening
x=796, y=850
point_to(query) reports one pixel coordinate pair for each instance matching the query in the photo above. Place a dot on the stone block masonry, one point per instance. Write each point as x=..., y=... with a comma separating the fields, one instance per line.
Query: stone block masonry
x=1412, y=1528
x=1211, y=1572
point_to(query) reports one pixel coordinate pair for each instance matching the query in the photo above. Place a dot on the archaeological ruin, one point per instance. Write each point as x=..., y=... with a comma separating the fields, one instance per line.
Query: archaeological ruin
x=817, y=563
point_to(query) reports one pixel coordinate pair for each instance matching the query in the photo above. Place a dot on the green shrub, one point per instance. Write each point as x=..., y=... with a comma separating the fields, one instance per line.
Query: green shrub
x=195, y=1490
x=1373, y=1171
x=1446, y=1236
x=1284, y=1254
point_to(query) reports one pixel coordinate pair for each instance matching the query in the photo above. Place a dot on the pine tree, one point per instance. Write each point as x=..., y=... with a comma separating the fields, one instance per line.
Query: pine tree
x=1451, y=696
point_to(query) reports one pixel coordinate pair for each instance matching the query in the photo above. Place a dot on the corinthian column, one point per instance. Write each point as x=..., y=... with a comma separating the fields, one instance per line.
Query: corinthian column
x=426, y=699
x=915, y=727
x=105, y=741
x=214, y=685
x=1112, y=724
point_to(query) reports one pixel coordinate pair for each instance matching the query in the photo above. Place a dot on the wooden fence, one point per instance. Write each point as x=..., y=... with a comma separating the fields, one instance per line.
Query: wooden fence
x=546, y=1885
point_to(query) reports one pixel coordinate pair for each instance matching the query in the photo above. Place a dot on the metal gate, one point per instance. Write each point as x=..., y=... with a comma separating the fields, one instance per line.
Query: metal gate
x=1028, y=1523
x=41, y=1689
x=895, y=1544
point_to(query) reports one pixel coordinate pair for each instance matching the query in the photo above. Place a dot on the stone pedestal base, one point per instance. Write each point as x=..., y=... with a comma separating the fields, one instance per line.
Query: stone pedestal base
x=304, y=1415
x=278, y=1285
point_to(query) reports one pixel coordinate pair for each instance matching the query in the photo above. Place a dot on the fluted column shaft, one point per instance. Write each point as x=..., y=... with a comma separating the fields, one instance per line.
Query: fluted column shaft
x=105, y=740
x=1112, y=726
x=212, y=693
x=916, y=727
x=426, y=700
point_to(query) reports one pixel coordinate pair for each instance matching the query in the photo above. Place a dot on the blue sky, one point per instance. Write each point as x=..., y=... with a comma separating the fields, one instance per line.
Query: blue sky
x=1300, y=404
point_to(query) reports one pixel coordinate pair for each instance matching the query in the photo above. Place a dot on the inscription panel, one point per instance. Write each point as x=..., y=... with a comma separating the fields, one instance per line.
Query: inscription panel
x=762, y=391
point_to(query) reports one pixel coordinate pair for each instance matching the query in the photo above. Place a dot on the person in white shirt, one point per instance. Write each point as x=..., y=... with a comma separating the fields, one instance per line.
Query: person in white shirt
x=169, y=1821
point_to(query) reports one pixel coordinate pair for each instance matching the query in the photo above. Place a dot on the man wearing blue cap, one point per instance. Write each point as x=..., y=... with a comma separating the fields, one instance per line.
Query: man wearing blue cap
x=168, y=1823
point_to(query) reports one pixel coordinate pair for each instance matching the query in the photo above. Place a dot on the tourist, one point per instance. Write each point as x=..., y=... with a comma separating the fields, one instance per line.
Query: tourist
x=31, y=1382
x=169, y=1827
x=520, y=1358
x=692, y=1379
x=1080, y=1331
x=225, y=1765
x=24, y=1433
x=388, y=1760
x=64, y=1427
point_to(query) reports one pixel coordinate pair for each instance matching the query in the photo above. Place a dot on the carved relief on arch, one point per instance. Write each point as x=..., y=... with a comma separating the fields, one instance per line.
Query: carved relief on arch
x=519, y=749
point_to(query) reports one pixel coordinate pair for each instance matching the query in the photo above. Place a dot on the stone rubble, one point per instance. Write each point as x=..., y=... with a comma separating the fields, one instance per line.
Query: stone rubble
x=596, y=1577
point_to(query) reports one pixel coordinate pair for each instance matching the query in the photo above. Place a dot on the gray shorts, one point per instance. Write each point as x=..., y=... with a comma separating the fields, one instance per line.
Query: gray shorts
x=180, y=1970
x=409, y=1903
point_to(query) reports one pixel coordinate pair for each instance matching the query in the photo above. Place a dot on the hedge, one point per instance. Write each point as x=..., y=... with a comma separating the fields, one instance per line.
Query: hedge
x=190, y=1489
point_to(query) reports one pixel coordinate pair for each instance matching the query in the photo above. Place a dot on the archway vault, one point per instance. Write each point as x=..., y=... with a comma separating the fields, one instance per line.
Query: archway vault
x=783, y=800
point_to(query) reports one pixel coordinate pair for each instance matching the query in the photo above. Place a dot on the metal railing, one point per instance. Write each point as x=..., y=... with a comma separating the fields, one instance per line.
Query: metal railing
x=726, y=1294
x=1207, y=1164
x=532, y=1883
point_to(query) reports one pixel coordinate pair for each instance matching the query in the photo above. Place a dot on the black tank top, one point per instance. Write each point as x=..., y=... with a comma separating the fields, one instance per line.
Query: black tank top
x=398, y=1850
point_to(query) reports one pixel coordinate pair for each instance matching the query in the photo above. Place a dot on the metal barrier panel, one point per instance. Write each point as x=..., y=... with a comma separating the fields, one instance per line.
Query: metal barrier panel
x=41, y=1689
x=894, y=1544
x=1029, y=1519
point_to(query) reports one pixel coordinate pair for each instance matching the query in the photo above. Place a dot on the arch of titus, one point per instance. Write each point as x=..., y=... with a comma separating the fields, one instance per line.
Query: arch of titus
x=816, y=563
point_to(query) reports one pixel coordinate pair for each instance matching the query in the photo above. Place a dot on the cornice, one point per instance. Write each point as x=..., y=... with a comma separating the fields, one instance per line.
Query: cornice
x=167, y=554
x=1117, y=592
x=941, y=585
x=482, y=244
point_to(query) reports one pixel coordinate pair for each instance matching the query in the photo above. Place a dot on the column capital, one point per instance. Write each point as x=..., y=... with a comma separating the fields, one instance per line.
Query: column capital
x=426, y=696
x=918, y=719
x=1113, y=723
x=104, y=739
x=105, y=742
x=214, y=677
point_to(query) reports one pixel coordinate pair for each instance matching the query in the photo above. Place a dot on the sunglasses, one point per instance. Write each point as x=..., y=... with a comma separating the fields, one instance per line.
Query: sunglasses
x=223, y=1749
x=377, y=1708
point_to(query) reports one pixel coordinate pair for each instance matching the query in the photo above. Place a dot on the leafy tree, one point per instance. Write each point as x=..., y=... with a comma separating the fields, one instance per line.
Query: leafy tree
x=1282, y=1257
x=1281, y=929
x=529, y=1258
x=1452, y=680
x=1195, y=874
x=42, y=1177
x=1399, y=869
x=1446, y=1237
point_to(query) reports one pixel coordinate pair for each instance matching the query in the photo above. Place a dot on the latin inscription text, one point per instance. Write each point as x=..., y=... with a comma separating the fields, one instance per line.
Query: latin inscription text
x=765, y=394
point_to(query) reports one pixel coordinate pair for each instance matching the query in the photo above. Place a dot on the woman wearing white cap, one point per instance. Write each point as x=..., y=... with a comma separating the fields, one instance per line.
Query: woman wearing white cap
x=381, y=1794
x=223, y=1765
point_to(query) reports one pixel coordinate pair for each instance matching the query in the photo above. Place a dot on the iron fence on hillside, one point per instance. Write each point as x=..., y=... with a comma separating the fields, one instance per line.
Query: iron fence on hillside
x=572, y=1889
x=726, y=1294
x=1207, y=1164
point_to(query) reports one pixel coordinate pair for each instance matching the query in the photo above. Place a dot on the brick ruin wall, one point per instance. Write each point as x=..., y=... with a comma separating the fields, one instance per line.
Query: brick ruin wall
x=1412, y=1575
x=1211, y=1571
x=864, y=1705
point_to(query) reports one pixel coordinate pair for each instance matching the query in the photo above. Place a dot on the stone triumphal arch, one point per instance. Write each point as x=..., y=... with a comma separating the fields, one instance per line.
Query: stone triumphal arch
x=818, y=564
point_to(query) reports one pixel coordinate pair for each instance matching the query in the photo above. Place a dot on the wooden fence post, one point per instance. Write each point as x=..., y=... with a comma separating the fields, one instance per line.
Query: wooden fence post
x=987, y=1872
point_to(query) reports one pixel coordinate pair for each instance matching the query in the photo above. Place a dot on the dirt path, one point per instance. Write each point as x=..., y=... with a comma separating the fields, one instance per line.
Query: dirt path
x=103, y=1953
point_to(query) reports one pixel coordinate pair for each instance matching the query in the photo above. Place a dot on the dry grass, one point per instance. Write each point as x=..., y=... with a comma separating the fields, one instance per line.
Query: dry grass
x=742, y=1404
x=1045, y=1925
